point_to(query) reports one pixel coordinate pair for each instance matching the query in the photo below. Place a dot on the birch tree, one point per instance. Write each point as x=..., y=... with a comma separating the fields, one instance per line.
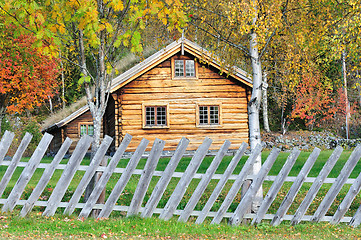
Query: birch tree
x=238, y=31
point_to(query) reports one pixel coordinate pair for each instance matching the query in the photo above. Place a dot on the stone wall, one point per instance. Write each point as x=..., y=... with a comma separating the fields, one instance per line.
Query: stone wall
x=306, y=140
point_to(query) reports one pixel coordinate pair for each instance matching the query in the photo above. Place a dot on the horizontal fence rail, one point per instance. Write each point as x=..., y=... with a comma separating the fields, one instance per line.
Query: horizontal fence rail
x=188, y=194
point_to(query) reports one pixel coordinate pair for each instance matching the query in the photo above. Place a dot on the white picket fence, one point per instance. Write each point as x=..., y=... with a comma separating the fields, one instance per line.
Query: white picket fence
x=147, y=208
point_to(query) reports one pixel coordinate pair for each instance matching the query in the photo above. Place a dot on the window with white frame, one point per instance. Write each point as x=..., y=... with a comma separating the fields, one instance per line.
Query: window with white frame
x=155, y=116
x=208, y=115
x=86, y=129
x=184, y=68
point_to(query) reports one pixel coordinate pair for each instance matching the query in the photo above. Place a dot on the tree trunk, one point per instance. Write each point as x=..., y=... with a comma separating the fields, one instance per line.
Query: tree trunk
x=253, y=112
x=343, y=57
x=264, y=103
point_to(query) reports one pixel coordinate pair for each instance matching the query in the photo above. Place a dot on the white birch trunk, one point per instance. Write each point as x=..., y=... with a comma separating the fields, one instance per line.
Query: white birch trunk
x=253, y=111
x=265, y=103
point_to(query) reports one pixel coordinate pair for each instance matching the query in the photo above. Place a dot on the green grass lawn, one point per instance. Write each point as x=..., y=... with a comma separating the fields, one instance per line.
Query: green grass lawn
x=60, y=227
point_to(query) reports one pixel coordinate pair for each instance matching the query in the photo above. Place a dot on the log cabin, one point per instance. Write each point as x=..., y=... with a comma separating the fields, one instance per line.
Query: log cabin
x=181, y=90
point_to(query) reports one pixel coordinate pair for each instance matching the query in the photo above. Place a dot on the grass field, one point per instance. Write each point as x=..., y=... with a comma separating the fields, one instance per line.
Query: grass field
x=59, y=227
x=144, y=228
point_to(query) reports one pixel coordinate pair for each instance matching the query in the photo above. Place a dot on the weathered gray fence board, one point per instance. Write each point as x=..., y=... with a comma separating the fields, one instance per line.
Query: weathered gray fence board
x=276, y=186
x=5, y=143
x=98, y=157
x=287, y=201
x=144, y=180
x=68, y=174
x=27, y=173
x=123, y=180
x=14, y=162
x=222, y=182
x=237, y=185
x=165, y=179
x=351, y=194
x=246, y=201
x=336, y=187
x=204, y=182
x=185, y=180
x=101, y=184
x=48, y=172
x=311, y=194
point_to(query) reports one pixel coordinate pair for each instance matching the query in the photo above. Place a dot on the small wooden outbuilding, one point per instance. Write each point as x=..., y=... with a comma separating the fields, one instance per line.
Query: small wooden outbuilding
x=179, y=91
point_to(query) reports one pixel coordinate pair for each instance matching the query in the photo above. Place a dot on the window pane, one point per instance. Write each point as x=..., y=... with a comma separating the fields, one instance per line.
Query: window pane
x=178, y=68
x=90, y=130
x=203, y=115
x=149, y=116
x=161, y=116
x=213, y=115
x=82, y=130
x=190, y=71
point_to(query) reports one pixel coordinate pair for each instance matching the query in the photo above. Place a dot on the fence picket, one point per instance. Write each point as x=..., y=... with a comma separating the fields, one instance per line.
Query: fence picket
x=5, y=143
x=351, y=194
x=336, y=187
x=204, y=182
x=222, y=182
x=27, y=173
x=317, y=184
x=48, y=172
x=246, y=201
x=95, y=162
x=165, y=178
x=185, y=180
x=68, y=174
x=14, y=162
x=237, y=184
x=287, y=201
x=276, y=186
x=100, y=186
x=144, y=180
x=123, y=180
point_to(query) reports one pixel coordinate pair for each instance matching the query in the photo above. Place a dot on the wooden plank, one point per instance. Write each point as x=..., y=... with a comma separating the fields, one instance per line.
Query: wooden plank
x=311, y=194
x=123, y=180
x=165, y=178
x=183, y=183
x=68, y=174
x=14, y=161
x=204, y=182
x=336, y=187
x=351, y=194
x=222, y=182
x=247, y=199
x=276, y=186
x=94, y=164
x=48, y=172
x=146, y=176
x=101, y=184
x=5, y=143
x=237, y=185
x=287, y=201
x=27, y=173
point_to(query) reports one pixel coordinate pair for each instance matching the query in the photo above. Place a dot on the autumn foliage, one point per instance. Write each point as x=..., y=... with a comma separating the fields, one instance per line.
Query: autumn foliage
x=313, y=102
x=27, y=77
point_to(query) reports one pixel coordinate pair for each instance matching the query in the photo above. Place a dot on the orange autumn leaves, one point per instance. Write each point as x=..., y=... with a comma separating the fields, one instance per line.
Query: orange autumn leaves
x=27, y=77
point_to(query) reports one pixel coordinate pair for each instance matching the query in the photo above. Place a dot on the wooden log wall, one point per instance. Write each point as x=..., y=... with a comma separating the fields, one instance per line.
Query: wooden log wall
x=182, y=96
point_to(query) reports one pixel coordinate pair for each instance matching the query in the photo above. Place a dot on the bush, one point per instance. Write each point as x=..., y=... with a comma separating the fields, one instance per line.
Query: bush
x=21, y=125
